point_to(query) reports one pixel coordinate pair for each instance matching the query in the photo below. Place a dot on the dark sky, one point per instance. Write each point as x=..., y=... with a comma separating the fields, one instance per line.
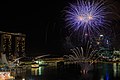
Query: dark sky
x=40, y=20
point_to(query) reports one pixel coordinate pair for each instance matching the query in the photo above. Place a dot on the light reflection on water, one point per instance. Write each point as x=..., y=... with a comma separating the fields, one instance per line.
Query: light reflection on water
x=34, y=71
x=102, y=78
x=115, y=69
x=40, y=70
x=37, y=71
x=101, y=72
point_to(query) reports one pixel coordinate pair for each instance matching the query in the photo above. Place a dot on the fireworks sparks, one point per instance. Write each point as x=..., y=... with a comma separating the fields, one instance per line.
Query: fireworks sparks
x=88, y=16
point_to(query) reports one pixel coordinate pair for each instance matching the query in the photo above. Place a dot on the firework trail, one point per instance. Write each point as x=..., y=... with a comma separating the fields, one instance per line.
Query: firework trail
x=87, y=17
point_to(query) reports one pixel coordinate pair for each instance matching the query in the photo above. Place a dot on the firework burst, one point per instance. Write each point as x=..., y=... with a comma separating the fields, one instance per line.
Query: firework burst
x=84, y=56
x=87, y=16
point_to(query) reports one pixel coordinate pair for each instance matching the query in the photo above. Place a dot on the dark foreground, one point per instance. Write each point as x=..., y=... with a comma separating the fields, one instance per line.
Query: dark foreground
x=100, y=71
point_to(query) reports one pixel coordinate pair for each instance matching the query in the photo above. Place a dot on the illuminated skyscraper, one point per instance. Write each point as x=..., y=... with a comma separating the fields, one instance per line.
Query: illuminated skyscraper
x=104, y=44
x=20, y=46
x=6, y=45
x=12, y=44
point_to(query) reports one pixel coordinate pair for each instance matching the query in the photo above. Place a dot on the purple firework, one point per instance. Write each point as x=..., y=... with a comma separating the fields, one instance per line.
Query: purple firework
x=88, y=16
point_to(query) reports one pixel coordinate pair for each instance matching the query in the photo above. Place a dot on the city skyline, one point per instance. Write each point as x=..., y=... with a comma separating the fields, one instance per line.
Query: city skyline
x=42, y=22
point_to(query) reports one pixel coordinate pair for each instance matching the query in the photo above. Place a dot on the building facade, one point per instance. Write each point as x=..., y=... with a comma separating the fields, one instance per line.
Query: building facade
x=12, y=44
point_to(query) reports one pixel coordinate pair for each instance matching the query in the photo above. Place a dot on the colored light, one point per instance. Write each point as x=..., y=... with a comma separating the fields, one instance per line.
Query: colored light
x=89, y=16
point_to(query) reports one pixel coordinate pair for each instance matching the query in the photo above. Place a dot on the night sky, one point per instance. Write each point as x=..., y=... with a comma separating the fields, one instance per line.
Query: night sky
x=40, y=20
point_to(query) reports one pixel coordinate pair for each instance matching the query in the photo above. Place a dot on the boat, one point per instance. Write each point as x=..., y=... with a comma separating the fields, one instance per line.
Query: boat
x=34, y=65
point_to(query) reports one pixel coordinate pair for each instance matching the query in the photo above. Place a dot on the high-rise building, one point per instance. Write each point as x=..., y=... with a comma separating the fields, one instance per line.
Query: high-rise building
x=104, y=45
x=6, y=45
x=20, y=46
x=12, y=44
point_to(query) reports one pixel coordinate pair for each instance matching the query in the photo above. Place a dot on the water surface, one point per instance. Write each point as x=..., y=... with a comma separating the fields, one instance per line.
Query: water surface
x=101, y=71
